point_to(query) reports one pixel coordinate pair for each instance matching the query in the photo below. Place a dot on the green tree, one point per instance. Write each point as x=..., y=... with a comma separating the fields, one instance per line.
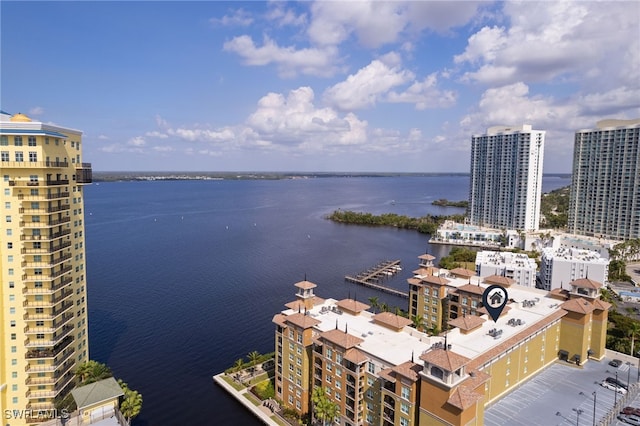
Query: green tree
x=253, y=357
x=324, y=409
x=633, y=331
x=375, y=304
x=238, y=364
x=418, y=322
x=131, y=404
x=92, y=371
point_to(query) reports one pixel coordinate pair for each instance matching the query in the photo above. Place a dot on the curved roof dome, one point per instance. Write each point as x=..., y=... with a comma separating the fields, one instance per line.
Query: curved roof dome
x=20, y=117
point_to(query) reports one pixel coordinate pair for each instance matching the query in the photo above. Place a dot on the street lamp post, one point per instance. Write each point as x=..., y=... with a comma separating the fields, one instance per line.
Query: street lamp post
x=628, y=375
x=578, y=412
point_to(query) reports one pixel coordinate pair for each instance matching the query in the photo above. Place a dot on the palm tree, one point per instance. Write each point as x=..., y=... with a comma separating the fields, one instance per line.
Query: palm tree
x=374, y=303
x=633, y=331
x=92, y=371
x=324, y=409
x=131, y=404
x=253, y=359
x=417, y=322
x=238, y=364
x=384, y=307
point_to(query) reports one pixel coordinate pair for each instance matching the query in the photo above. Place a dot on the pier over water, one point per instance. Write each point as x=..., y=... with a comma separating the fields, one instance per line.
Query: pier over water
x=373, y=277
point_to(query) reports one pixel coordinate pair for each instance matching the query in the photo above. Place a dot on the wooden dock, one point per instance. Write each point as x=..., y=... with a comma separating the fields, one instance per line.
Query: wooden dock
x=373, y=276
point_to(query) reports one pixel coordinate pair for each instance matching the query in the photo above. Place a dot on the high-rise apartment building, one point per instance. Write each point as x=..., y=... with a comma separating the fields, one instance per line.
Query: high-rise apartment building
x=506, y=178
x=43, y=304
x=605, y=190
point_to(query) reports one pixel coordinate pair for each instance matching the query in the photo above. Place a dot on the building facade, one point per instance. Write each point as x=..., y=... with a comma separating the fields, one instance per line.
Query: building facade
x=605, y=188
x=517, y=266
x=43, y=304
x=506, y=178
x=379, y=370
x=561, y=266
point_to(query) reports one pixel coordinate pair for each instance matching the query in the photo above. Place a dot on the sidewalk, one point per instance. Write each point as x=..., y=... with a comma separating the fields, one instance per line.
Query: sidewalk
x=260, y=411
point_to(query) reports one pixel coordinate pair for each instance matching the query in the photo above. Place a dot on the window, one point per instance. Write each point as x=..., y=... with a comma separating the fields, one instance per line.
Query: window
x=406, y=392
x=404, y=422
x=33, y=156
x=32, y=141
x=371, y=368
x=5, y=155
x=19, y=156
x=4, y=140
x=17, y=140
x=7, y=219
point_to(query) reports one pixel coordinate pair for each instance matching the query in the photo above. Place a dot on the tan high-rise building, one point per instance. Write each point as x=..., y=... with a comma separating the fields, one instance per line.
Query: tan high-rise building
x=43, y=299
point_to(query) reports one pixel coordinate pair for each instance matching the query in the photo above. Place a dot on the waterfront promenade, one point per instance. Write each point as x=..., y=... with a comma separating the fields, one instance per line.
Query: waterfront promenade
x=262, y=412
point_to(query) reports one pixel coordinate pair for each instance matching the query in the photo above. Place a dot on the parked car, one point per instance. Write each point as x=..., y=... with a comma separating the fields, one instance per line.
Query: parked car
x=628, y=410
x=613, y=387
x=615, y=363
x=630, y=419
x=616, y=382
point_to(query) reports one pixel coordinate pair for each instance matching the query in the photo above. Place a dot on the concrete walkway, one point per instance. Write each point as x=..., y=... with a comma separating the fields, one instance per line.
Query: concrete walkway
x=260, y=411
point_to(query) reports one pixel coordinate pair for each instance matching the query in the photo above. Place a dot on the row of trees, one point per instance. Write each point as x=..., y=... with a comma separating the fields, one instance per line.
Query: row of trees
x=94, y=371
x=426, y=224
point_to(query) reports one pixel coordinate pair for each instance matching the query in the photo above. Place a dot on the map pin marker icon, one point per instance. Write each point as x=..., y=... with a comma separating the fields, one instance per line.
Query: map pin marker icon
x=494, y=299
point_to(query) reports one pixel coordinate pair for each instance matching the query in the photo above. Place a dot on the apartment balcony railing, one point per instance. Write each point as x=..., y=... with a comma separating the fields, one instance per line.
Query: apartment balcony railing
x=43, y=197
x=48, y=353
x=32, y=316
x=47, y=276
x=50, y=264
x=49, y=223
x=60, y=367
x=84, y=173
x=55, y=182
x=34, y=164
x=52, y=393
x=44, y=303
x=45, y=237
x=44, y=210
x=49, y=289
x=56, y=342
x=46, y=250
x=54, y=327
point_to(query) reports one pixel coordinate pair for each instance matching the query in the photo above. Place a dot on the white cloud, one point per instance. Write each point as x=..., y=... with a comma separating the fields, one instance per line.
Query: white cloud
x=137, y=141
x=376, y=23
x=156, y=134
x=290, y=62
x=239, y=17
x=366, y=87
x=103, y=137
x=548, y=41
x=283, y=16
x=36, y=111
x=424, y=94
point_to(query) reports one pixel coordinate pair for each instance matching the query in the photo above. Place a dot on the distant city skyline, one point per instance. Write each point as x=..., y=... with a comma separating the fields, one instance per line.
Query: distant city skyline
x=367, y=86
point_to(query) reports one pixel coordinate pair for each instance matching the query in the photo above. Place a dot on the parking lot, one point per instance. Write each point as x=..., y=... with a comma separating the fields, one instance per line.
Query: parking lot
x=563, y=394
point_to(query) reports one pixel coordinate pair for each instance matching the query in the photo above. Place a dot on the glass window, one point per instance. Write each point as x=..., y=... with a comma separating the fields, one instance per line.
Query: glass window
x=17, y=140
x=4, y=140
x=4, y=155
x=33, y=156
x=32, y=141
x=19, y=156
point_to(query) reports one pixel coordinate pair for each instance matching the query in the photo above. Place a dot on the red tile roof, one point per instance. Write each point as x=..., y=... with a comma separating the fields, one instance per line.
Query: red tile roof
x=499, y=279
x=391, y=320
x=445, y=359
x=579, y=305
x=305, y=285
x=586, y=283
x=463, y=398
x=302, y=320
x=468, y=322
x=462, y=272
x=340, y=338
x=352, y=305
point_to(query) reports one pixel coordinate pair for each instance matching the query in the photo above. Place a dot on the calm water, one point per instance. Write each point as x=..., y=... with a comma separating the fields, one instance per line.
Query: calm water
x=184, y=277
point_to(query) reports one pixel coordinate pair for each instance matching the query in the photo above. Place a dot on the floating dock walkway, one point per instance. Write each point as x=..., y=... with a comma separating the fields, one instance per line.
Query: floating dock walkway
x=373, y=276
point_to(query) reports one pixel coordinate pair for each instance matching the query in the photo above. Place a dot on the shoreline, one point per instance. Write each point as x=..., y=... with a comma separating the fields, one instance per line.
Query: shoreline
x=261, y=412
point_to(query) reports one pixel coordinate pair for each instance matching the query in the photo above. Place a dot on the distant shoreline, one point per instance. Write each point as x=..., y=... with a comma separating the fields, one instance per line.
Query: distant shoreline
x=173, y=176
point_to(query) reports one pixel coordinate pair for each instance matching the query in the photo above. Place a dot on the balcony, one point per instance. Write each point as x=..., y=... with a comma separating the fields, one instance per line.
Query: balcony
x=58, y=341
x=54, y=327
x=32, y=316
x=48, y=353
x=51, y=182
x=46, y=237
x=44, y=303
x=47, y=277
x=389, y=402
x=46, y=250
x=84, y=173
x=58, y=368
x=52, y=393
x=50, y=264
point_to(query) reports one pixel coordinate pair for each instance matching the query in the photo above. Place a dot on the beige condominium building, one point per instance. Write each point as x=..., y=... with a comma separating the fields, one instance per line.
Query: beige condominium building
x=380, y=370
x=43, y=304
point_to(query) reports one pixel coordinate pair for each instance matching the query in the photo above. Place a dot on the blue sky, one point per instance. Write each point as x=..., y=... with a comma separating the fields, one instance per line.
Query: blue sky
x=359, y=86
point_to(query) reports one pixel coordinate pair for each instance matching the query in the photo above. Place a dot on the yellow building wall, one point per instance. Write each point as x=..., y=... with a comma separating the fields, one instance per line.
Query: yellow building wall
x=19, y=180
x=575, y=334
x=599, y=334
